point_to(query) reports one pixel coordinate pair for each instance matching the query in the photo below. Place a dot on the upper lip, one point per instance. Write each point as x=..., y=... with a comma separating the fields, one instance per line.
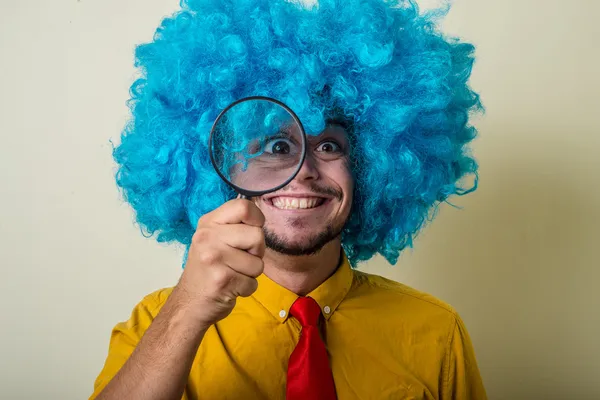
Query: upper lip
x=297, y=195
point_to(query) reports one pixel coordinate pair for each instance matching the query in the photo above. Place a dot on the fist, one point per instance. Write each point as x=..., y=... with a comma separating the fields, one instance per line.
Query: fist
x=224, y=260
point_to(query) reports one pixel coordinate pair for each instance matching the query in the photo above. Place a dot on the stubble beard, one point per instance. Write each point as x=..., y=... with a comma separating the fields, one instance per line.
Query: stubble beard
x=312, y=246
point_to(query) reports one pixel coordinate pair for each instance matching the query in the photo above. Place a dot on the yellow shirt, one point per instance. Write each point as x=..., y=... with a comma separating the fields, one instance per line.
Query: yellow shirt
x=385, y=341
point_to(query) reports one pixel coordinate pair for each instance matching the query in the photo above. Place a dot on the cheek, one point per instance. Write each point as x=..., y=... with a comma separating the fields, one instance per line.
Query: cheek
x=347, y=178
x=347, y=183
x=340, y=173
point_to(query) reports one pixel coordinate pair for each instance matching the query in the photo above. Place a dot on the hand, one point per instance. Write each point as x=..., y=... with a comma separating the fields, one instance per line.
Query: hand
x=225, y=257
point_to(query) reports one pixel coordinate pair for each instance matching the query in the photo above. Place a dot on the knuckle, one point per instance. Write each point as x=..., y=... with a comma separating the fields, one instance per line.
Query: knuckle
x=243, y=209
x=201, y=235
x=203, y=219
x=209, y=257
x=221, y=278
x=228, y=300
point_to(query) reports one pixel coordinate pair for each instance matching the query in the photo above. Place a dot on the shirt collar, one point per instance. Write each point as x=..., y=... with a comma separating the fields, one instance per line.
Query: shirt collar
x=278, y=300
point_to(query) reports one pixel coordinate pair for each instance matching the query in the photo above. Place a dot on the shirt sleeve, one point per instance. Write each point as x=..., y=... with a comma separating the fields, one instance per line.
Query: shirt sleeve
x=461, y=378
x=125, y=336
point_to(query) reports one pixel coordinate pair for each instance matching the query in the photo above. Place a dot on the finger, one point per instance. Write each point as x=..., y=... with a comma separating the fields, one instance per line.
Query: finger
x=243, y=237
x=235, y=212
x=244, y=286
x=242, y=262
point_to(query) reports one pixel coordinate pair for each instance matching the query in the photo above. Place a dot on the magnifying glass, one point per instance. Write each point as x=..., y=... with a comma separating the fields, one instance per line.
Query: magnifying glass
x=257, y=145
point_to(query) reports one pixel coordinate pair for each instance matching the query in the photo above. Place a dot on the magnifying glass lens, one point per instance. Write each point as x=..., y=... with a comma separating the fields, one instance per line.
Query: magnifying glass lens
x=257, y=145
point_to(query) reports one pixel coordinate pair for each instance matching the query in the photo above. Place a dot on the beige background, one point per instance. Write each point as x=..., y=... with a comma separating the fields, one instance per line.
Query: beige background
x=519, y=260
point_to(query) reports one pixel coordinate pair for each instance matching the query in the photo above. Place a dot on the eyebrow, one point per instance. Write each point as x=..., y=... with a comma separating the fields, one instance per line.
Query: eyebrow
x=338, y=121
x=324, y=134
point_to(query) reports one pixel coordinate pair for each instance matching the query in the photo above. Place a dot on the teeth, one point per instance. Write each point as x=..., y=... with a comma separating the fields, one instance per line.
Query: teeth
x=294, y=203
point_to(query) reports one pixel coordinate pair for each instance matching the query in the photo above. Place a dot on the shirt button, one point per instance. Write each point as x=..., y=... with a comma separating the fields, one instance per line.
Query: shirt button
x=327, y=309
x=282, y=313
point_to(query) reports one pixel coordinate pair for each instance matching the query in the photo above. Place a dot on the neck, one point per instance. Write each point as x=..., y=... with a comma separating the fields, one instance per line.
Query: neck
x=303, y=274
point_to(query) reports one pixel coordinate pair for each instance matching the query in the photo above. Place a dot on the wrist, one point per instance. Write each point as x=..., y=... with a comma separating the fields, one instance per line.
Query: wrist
x=183, y=313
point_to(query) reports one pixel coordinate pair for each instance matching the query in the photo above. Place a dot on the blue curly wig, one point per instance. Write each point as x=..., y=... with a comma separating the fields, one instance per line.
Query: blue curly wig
x=380, y=65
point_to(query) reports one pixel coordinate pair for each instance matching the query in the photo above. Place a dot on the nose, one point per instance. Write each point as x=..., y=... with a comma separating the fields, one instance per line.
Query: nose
x=308, y=170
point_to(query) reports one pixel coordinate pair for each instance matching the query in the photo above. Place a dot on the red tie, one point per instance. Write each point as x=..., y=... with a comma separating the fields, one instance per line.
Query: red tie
x=309, y=375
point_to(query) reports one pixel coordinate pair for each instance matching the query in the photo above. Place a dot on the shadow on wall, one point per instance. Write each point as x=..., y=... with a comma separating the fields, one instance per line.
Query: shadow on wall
x=518, y=263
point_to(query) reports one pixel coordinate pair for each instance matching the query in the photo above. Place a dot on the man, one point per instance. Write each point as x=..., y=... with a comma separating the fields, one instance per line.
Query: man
x=269, y=305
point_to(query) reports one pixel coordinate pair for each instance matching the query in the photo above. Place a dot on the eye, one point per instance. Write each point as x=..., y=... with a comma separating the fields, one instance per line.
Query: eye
x=329, y=146
x=278, y=146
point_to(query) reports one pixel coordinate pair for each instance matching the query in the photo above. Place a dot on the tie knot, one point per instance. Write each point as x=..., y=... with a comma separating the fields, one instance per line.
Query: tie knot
x=306, y=310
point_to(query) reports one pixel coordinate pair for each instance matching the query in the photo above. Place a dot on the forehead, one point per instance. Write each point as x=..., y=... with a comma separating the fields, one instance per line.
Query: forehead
x=333, y=130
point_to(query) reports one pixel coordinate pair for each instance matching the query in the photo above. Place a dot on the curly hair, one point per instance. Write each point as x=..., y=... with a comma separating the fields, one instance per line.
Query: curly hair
x=381, y=65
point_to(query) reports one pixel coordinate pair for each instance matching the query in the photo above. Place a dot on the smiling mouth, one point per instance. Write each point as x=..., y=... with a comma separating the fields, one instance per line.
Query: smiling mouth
x=296, y=203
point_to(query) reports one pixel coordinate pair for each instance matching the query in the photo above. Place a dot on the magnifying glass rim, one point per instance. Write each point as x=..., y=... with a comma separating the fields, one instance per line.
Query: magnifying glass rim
x=253, y=193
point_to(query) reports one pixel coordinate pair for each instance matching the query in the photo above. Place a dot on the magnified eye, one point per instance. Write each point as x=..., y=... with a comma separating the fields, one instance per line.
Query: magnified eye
x=281, y=145
x=278, y=146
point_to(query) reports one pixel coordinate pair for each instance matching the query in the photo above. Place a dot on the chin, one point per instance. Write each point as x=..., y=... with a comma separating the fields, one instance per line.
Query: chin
x=300, y=244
